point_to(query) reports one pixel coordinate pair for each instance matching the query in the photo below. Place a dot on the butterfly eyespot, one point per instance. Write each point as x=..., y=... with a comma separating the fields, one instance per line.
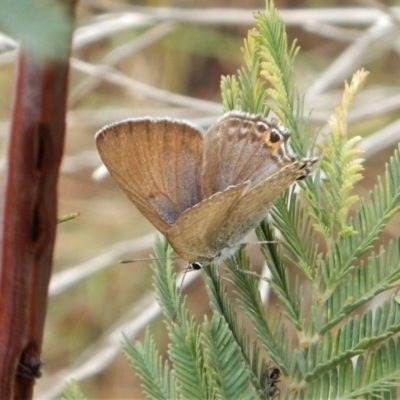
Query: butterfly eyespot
x=274, y=136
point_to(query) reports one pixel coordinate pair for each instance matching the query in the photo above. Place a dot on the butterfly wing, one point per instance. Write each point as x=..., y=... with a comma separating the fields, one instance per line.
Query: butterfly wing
x=157, y=163
x=242, y=147
x=248, y=212
x=196, y=234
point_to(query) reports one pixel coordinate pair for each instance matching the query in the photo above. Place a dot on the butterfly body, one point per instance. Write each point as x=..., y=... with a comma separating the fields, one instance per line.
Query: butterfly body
x=203, y=190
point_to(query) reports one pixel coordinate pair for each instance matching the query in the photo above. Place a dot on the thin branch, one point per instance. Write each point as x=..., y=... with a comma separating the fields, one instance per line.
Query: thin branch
x=119, y=54
x=237, y=16
x=138, y=88
x=377, y=40
x=374, y=144
x=62, y=281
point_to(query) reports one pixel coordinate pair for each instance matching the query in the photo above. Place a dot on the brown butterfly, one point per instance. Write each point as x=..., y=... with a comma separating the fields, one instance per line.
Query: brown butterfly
x=203, y=190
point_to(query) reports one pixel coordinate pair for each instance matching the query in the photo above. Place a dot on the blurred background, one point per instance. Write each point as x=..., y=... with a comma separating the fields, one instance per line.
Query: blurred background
x=162, y=59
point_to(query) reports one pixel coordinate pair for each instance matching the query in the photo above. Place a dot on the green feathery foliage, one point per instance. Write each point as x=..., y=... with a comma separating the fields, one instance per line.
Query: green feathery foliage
x=224, y=362
x=324, y=271
x=157, y=382
x=222, y=306
x=247, y=91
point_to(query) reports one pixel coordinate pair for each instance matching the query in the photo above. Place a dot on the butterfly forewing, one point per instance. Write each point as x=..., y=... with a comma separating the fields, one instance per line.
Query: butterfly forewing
x=157, y=163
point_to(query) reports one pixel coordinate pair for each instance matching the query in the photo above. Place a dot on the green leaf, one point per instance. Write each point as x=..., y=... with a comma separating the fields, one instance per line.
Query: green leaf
x=224, y=362
x=378, y=274
x=249, y=299
x=156, y=378
x=164, y=278
x=186, y=354
x=221, y=304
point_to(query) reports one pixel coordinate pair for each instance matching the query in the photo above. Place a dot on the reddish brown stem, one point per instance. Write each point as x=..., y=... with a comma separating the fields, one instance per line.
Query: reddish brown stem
x=29, y=216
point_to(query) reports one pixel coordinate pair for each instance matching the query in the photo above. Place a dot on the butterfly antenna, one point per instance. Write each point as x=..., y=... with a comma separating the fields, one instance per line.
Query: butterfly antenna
x=276, y=241
x=147, y=259
x=243, y=245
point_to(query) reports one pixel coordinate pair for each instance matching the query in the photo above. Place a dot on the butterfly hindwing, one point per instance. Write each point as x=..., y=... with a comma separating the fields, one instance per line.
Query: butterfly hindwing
x=195, y=234
x=241, y=147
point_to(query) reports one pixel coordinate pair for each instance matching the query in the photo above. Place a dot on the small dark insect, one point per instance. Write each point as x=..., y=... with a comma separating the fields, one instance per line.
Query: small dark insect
x=29, y=367
x=273, y=375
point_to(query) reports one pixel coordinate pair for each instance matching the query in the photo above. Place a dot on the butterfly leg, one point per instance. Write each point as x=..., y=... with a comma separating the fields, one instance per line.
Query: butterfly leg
x=249, y=272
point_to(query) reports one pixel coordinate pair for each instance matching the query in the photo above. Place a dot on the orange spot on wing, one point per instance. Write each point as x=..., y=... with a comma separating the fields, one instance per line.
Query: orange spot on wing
x=273, y=146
